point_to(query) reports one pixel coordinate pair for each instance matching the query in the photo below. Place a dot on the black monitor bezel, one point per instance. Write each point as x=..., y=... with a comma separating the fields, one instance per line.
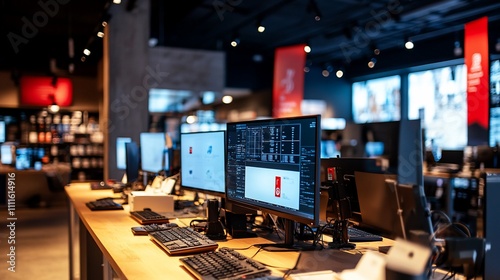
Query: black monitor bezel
x=269, y=209
x=221, y=194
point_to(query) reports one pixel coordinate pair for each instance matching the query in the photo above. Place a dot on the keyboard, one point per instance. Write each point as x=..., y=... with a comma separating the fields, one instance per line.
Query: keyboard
x=224, y=263
x=183, y=240
x=359, y=235
x=104, y=204
x=145, y=217
x=146, y=229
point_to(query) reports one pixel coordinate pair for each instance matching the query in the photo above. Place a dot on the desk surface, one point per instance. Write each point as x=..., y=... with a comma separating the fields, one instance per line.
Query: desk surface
x=137, y=257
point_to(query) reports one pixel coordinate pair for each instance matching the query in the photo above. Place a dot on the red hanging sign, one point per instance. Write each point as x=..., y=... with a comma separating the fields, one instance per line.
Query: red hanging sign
x=288, y=85
x=44, y=91
x=477, y=62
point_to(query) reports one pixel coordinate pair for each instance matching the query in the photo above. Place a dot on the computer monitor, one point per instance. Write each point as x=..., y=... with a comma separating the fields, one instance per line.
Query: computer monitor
x=378, y=203
x=153, y=152
x=2, y=131
x=274, y=165
x=345, y=168
x=120, y=152
x=132, y=161
x=392, y=209
x=329, y=149
x=7, y=151
x=203, y=159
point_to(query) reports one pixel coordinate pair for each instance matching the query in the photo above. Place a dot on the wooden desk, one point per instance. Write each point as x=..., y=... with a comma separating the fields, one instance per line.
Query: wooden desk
x=102, y=246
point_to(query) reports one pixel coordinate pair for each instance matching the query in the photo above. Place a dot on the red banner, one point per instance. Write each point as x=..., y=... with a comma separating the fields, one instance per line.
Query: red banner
x=288, y=85
x=43, y=91
x=477, y=62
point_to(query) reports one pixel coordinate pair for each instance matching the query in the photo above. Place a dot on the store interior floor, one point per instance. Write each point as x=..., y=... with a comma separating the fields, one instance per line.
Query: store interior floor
x=41, y=241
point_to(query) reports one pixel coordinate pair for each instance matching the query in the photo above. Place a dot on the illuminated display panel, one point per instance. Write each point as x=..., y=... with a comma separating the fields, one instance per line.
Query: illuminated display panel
x=439, y=97
x=377, y=100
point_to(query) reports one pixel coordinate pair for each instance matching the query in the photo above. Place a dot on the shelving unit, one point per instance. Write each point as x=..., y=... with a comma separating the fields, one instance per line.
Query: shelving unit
x=70, y=137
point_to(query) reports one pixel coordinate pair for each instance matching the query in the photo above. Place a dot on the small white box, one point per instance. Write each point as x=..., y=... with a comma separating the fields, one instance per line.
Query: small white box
x=158, y=202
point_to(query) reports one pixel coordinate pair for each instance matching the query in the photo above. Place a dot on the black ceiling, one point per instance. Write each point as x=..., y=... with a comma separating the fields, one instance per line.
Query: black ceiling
x=345, y=35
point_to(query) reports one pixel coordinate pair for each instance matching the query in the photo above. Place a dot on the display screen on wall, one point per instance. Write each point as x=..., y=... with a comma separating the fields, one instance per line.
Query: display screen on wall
x=495, y=103
x=439, y=96
x=377, y=100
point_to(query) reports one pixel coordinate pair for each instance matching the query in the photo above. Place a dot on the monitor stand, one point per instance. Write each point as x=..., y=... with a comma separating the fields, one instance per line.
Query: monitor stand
x=289, y=243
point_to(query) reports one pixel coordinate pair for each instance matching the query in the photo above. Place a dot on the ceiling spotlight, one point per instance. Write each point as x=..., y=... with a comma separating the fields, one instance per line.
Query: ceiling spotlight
x=260, y=28
x=104, y=23
x=325, y=73
x=307, y=69
x=409, y=44
x=313, y=7
x=458, y=49
x=86, y=52
x=235, y=42
x=376, y=51
x=307, y=48
x=226, y=99
x=117, y=1
x=339, y=73
x=372, y=62
x=100, y=34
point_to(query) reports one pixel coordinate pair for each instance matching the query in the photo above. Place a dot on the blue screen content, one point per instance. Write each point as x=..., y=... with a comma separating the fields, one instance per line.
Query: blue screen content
x=203, y=161
x=153, y=151
x=121, y=153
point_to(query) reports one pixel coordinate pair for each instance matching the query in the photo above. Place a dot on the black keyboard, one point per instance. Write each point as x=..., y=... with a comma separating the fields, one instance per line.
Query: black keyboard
x=183, y=240
x=146, y=217
x=224, y=264
x=359, y=235
x=104, y=204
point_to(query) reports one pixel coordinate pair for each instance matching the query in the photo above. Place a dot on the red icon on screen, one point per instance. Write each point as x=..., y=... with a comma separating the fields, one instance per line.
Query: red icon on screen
x=190, y=150
x=277, y=186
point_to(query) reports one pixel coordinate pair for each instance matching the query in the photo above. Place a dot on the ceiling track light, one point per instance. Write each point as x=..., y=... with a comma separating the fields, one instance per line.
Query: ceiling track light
x=372, y=62
x=307, y=48
x=235, y=42
x=409, y=44
x=457, y=50
x=260, y=27
x=313, y=7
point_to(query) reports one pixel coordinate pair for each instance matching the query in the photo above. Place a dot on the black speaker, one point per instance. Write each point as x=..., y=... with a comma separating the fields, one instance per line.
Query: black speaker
x=215, y=230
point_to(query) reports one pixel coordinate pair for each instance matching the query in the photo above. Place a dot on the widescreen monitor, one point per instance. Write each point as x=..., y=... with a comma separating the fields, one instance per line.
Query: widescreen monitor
x=274, y=165
x=153, y=152
x=203, y=160
x=120, y=152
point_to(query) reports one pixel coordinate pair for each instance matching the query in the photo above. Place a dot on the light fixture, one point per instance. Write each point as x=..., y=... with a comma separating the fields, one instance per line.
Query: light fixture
x=409, y=44
x=457, y=50
x=375, y=49
x=226, y=99
x=260, y=28
x=100, y=34
x=313, y=7
x=372, y=62
x=307, y=48
x=53, y=107
x=235, y=42
x=191, y=119
x=86, y=52
x=327, y=69
x=117, y=2
x=339, y=73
